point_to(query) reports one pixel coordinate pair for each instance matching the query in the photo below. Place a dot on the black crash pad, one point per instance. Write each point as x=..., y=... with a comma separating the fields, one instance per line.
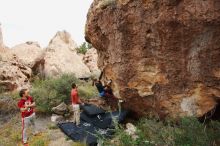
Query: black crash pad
x=99, y=120
x=104, y=120
x=92, y=110
x=93, y=122
x=85, y=132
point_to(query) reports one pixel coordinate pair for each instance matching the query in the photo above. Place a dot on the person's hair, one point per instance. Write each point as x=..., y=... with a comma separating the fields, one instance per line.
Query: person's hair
x=73, y=85
x=22, y=92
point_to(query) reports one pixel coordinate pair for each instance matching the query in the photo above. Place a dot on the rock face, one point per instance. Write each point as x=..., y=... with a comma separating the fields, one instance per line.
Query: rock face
x=2, y=47
x=1, y=38
x=90, y=59
x=61, y=57
x=163, y=56
x=31, y=54
x=13, y=74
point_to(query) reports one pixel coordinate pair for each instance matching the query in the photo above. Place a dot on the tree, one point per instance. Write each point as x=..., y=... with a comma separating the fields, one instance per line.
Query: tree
x=84, y=47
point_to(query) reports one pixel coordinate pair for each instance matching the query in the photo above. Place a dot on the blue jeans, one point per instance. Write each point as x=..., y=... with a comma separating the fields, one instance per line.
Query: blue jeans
x=102, y=94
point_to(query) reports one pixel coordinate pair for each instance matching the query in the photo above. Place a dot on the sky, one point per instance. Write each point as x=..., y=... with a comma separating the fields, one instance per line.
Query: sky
x=39, y=20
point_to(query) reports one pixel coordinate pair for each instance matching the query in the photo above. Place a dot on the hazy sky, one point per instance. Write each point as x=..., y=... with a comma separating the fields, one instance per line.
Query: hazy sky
x=39, y=20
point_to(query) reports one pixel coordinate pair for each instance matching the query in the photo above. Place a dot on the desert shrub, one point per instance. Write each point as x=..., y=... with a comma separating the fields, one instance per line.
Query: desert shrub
x=151, y=132
x=10, y=134
x=86, y=90
x=52, y=91
x=191, y=132
x=82, y=49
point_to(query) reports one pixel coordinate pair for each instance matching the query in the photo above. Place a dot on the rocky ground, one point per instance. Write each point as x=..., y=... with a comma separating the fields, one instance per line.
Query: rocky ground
x=50, y=135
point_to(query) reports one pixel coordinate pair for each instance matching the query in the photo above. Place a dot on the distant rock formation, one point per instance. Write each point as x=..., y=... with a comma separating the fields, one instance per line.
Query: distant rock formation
x=13, y=74
x=61, y=57
x=90, y=59
x=2, y=46
x=20, y=63
x=162, y=56
x=31, y=54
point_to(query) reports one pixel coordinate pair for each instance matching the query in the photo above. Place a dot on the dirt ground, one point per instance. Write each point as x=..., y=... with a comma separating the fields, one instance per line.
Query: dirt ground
x=50, y=135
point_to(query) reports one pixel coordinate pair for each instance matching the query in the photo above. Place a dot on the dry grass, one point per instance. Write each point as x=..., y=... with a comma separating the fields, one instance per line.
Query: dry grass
x=10, y=135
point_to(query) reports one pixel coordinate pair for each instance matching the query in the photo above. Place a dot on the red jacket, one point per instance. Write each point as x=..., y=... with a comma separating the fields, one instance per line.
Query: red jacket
x=21, y=104
x=75, y=96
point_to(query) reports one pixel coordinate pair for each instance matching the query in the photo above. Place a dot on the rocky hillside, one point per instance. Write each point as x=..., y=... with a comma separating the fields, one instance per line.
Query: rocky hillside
x=163, y=56
x=13, y=73
x=20, y=63
x=1, y=40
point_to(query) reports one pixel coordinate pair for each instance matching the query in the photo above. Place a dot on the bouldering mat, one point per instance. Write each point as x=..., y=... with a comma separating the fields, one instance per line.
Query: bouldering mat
x=84, y=132
x=92, y=110
x=93, y=122
x=104, y=120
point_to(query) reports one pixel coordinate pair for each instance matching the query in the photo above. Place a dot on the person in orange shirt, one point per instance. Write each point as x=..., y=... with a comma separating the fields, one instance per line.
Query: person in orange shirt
x=75, y=103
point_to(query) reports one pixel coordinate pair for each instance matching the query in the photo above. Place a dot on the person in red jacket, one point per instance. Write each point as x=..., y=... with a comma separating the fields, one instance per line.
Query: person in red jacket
x=75, y=103
x=26, y=105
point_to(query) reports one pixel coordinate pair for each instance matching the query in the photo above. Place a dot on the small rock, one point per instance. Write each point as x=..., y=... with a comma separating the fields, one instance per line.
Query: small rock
x=70, y=108
x=131, y=130
x=56, y=118
x=60, y=109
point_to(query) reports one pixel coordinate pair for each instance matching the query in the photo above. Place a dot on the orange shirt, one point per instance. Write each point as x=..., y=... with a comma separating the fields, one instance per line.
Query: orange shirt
x=74, y=96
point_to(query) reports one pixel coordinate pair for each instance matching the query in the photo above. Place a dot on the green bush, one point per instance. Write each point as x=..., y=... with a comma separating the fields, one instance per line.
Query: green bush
x=86, y=90
x=191, y=133
x=52, y=91
x=82, y=49
x=152, y=132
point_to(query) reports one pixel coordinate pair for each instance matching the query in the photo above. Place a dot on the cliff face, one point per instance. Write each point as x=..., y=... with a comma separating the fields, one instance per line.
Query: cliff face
x=90, y=59
x=13, y=74
x=162, y=55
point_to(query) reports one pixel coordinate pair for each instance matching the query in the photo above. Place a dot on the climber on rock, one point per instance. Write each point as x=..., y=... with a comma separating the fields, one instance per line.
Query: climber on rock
x=105, y=91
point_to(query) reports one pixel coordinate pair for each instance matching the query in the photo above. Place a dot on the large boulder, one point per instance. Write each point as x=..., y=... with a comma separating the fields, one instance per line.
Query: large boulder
x=31, y=54
x=163, y=56
x=13, y=74
x=1, y=39
x=61, y=57
x=90, y=59
x=2, y=46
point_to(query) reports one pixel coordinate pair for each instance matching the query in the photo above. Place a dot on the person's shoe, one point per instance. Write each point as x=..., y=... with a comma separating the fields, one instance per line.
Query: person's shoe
x=109, y=82
x=120, y=101
x=25, y=144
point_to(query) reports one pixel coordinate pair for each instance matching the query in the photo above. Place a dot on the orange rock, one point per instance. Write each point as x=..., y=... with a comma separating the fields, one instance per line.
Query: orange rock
x=163, y=56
